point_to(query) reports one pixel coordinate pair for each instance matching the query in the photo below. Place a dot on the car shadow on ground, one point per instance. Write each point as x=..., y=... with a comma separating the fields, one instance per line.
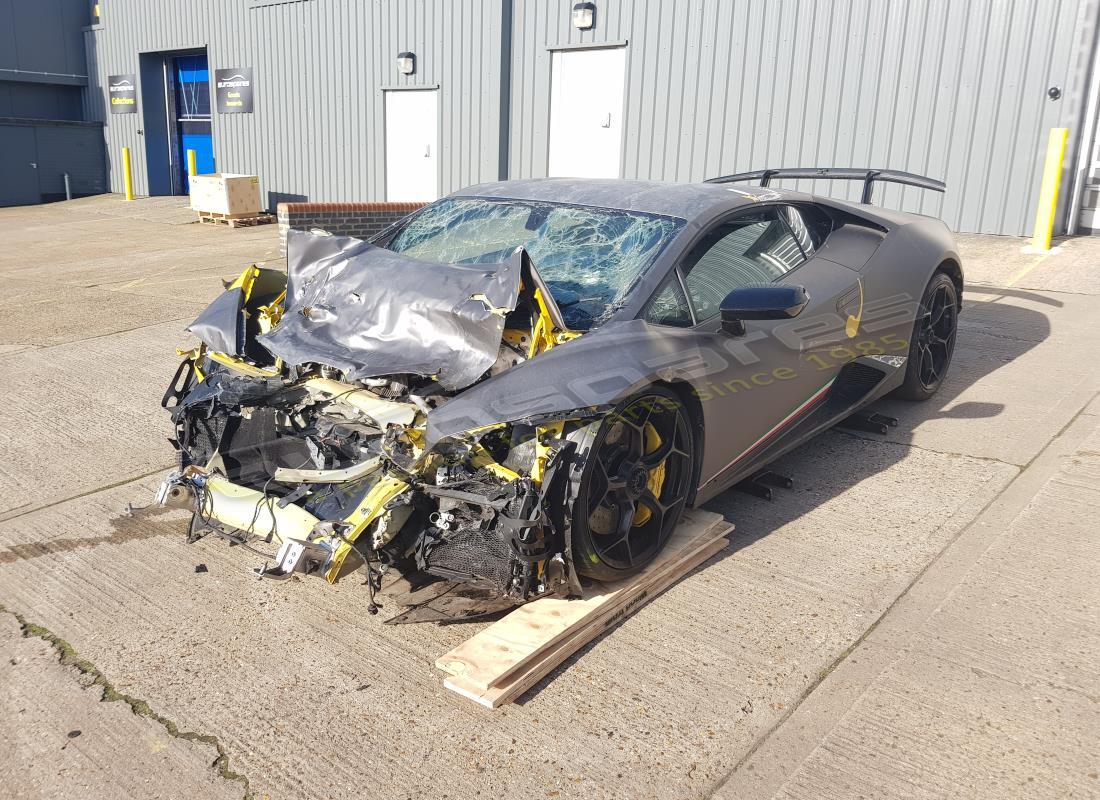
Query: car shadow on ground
x=991, y=335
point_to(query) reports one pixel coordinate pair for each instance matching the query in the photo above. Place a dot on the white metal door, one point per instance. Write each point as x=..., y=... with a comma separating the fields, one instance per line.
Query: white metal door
x=586, y=111
x=412, y=145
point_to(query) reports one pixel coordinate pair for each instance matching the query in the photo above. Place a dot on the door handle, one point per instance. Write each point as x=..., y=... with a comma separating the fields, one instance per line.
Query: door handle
x=608, y=123
x=427, y=151
x=34, y=165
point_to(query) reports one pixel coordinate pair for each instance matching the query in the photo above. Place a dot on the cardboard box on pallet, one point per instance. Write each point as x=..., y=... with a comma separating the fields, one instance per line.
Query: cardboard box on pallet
x=225, y=193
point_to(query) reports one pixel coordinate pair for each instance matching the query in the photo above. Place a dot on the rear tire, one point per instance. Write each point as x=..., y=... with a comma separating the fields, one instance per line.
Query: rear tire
x=634, y=485
x=932, y=343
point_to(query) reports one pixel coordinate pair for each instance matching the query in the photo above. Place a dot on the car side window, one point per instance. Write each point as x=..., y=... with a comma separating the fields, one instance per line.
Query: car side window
x=752, y=248
x=669, y=306
x=810, y=226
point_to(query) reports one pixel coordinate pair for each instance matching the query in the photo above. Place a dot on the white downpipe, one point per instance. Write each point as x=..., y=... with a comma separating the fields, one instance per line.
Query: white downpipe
x=1087, y=144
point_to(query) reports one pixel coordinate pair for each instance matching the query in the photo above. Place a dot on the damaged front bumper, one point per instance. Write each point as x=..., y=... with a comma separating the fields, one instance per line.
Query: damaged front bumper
x=323, y=478
x=302, y=423
x=498, y=535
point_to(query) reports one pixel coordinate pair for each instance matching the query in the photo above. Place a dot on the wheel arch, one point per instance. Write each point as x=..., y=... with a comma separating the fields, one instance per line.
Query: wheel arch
x=951, y=267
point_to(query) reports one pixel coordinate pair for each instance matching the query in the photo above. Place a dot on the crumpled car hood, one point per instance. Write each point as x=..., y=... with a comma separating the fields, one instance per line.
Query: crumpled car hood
x=370, y=312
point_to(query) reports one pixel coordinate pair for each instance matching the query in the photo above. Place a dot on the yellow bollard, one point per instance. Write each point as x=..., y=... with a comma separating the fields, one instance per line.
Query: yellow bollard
x=127, y=173
x=192, y=169
x=1048, y=192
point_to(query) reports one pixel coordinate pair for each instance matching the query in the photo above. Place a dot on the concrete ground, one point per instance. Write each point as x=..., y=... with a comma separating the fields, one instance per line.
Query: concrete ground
x=918, y=617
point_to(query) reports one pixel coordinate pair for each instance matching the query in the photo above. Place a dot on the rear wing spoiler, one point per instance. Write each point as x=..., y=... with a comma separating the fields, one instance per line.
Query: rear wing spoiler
x=868, y=176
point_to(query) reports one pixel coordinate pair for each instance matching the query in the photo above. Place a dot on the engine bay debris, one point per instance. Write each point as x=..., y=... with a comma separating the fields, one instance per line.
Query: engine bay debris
x=300, y=423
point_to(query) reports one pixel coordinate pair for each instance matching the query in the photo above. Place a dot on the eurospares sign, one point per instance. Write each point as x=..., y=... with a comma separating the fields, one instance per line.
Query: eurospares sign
x=233, y=90
x=122, y=93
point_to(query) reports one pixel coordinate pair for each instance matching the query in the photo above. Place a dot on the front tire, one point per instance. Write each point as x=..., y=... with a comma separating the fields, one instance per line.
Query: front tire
x=933, y=341
x=634, y=485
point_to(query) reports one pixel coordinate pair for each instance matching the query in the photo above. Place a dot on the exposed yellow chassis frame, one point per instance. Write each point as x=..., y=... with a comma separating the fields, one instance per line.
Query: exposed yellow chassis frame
x=364, y=514
x=544, y=336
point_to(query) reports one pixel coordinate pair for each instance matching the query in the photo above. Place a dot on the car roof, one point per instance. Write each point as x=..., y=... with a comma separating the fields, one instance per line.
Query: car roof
x=683, y=200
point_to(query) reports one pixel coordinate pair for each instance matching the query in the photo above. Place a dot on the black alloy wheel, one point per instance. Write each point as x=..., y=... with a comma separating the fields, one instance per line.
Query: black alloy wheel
x=634, y=486
x=933, y=342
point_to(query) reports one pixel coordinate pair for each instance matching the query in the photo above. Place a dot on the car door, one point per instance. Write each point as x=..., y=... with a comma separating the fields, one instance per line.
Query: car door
x=763, y=381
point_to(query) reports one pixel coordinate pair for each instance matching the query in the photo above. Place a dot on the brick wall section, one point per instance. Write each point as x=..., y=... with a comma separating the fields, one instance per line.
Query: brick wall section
x=361, y=220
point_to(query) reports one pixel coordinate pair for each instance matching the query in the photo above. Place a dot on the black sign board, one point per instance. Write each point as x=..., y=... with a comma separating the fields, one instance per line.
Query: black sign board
x=233, y=89
x=122, y=94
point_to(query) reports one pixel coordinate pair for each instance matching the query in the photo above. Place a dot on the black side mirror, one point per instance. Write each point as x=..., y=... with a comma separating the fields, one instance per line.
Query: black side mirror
x=761, y=301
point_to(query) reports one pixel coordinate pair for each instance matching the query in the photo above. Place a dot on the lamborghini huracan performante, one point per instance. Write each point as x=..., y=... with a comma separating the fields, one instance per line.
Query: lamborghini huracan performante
x=527, y=382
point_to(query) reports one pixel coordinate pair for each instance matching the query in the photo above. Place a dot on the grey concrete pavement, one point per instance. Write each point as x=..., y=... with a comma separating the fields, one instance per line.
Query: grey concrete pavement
x=787, y=666
x=60, y=740
x=981, y=681
x=1007, y=261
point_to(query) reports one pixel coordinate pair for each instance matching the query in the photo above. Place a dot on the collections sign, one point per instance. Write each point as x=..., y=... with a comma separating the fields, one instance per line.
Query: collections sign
x=233, y=90
x=122, y=94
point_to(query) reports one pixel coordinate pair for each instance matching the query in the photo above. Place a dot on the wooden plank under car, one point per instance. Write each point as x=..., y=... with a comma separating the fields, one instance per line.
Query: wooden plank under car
x=508, y=657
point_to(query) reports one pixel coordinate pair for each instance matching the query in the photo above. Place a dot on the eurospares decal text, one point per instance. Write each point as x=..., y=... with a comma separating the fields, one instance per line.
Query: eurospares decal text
x=233, y=90
x=122, y=93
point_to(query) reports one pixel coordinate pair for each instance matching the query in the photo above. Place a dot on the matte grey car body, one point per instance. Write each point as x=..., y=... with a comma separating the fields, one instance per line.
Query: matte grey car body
x=527, y=382
x=891, y=254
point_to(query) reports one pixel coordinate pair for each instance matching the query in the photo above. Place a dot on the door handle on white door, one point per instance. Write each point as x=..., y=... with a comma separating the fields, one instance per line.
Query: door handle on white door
x=608, y=123
x=427, y=151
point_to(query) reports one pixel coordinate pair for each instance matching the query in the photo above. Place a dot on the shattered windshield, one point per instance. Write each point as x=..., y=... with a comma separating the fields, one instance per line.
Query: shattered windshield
x=589, y=257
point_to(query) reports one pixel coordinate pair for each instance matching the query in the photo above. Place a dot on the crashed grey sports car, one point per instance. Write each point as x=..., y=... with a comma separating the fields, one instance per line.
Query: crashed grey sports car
x=527, y=382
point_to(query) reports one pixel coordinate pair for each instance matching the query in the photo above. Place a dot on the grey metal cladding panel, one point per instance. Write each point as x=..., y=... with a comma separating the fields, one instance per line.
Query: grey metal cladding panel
x=75, y=14
x=77, y=151
x=37, y=42
x=954, y=90
x=948, y=89
x=8, y=59
x=39, y=101
x=317, y=129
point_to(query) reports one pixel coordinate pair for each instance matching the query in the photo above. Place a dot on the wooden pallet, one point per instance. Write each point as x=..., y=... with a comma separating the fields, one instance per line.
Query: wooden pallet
x=235, y=220
x=510, y=656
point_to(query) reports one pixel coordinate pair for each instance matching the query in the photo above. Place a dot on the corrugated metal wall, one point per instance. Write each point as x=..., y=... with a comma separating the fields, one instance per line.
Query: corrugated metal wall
x=55, y=148
x=73, y=148
x=950, y=89
x=42, y=37
x=946, y=88
x=320, y=67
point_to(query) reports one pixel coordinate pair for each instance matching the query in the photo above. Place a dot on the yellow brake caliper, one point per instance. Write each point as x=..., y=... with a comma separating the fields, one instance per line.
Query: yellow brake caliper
x=656, y=480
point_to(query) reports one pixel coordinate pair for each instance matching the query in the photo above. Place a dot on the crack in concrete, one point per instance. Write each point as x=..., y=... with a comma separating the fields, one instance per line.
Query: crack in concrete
x=51, y=345
x=68, y=656
x=22, y=511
